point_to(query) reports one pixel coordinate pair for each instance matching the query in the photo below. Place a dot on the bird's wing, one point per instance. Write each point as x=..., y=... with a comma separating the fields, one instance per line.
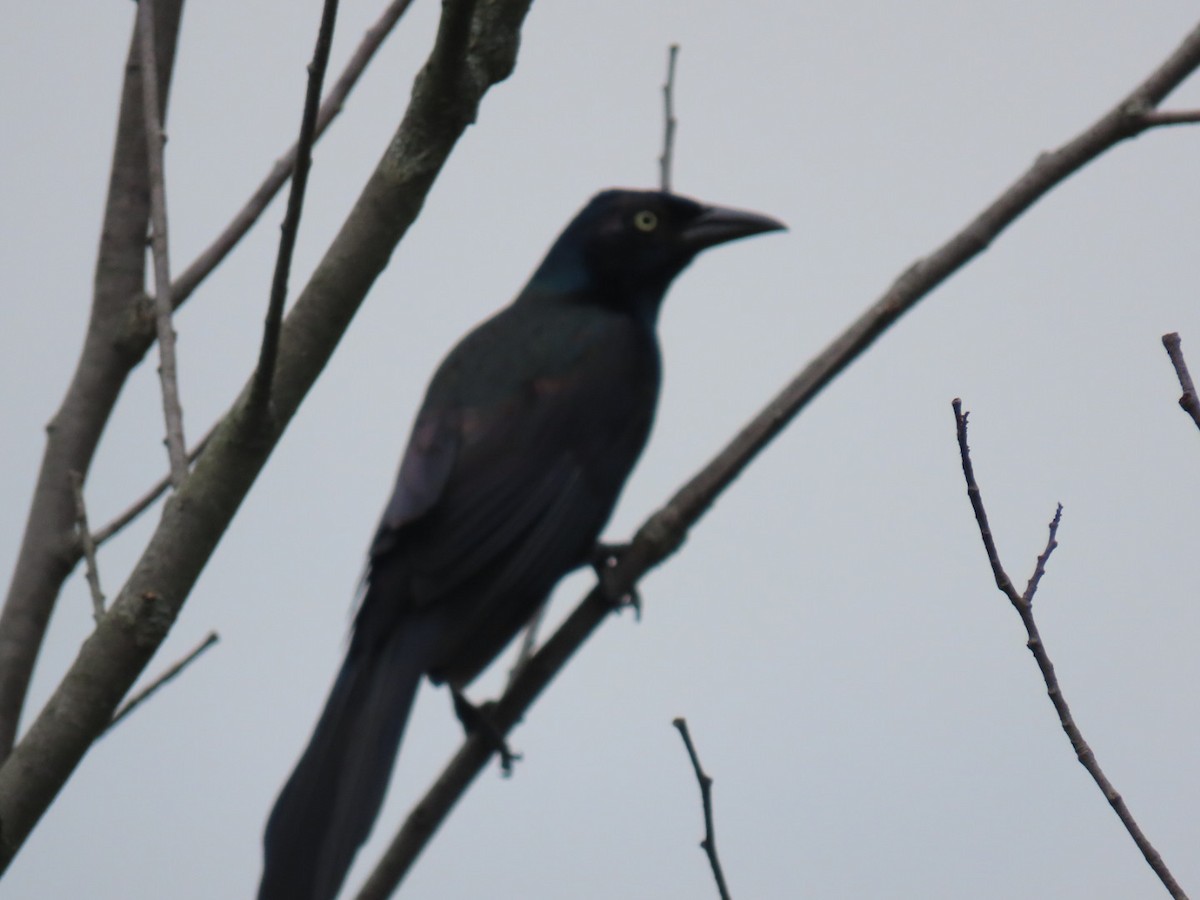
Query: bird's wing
x=514, y=494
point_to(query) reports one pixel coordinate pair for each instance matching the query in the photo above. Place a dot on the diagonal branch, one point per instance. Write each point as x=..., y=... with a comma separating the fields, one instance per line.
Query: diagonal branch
x=664, y=532
x=476, y=47
x=1023, y=604
x=260, y=387
x=155, y=139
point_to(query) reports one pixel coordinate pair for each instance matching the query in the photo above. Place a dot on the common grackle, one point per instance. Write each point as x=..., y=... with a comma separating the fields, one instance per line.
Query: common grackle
x=518, y=454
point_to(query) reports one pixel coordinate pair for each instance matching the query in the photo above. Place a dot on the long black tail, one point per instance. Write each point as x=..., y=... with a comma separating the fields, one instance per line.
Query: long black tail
x=330, y=802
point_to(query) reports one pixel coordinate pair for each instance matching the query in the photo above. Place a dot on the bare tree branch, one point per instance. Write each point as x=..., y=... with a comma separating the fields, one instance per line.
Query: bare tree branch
x=171, y=673
x=709, y=844
x=1189, y=401
x=475, y=47
x=260, y=387
x=87, y=547
x=155, y=139
x=121, y=331
x=665, y=531
x=241, y=223
x=49, y=545
x=669, y=121
x=1023, y=604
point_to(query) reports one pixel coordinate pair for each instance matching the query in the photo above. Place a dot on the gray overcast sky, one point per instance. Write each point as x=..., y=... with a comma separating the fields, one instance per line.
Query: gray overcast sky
x=854, y=682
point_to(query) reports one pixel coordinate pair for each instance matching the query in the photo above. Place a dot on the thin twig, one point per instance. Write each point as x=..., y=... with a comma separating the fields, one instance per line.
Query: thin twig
x=260, y=390
x=155, y=139
x=669, y=122
x=173, y=672
x=241, y=223
x=664, y=532
x=147, y=499
x=87, y=546
x=709, y=844
x=1023, y=604
x=1189, y=401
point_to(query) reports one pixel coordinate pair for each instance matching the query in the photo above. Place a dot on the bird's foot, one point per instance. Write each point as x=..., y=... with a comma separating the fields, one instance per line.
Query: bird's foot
x=605, y=558
x=478, y=720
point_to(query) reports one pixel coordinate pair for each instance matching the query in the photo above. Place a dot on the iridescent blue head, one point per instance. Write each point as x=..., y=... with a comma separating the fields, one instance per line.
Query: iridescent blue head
x=625, y=247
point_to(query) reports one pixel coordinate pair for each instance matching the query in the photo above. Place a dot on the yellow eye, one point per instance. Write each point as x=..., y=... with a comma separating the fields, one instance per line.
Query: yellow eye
x=645, y=220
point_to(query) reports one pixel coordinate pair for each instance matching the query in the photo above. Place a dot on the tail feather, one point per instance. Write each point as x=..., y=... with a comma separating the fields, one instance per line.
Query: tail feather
x=326, y=809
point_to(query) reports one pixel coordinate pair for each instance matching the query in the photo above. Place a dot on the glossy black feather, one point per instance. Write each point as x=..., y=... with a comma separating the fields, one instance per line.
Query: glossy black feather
x=527, y=433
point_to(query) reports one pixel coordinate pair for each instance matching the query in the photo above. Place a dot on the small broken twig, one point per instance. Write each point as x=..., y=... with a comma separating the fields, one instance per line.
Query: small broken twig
x=147, y=692
x=709, y=844
x=88, y=545
x=163, y=305
x=1159, y=117
x=1023, y=604
x=1189, y=401
x=669, y=121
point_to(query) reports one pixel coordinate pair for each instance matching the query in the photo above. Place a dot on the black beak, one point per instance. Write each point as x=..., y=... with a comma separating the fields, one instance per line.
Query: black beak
x=719, y=225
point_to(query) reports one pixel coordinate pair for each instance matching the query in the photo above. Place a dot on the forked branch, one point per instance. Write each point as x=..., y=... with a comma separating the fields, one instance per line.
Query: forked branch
x=1023, y=604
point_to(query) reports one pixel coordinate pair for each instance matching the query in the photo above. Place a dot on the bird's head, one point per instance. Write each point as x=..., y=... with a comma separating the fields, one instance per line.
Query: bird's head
x=624, y=248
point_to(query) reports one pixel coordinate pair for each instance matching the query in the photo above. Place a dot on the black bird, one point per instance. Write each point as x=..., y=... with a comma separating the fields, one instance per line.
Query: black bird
x=526, y=436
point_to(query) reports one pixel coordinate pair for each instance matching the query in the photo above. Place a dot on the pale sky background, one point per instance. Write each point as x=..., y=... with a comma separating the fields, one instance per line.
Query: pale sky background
x=855, y=683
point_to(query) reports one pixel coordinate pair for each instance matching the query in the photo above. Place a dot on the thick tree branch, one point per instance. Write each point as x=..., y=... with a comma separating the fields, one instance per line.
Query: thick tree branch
x=48, y=548
x=1023, y=604
x=665, y=531
x=1189, y=402
x=156, y=138
x=260, y=387
x=476, y=47
x=709, y=844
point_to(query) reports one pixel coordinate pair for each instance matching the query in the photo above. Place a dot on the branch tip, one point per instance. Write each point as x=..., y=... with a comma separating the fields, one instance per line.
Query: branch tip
x=709, y=842
x=1023, y=603
x=667, y=159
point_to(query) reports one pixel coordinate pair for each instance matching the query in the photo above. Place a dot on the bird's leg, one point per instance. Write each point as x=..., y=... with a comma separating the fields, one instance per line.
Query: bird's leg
x=604, y=559
x=478, y=720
